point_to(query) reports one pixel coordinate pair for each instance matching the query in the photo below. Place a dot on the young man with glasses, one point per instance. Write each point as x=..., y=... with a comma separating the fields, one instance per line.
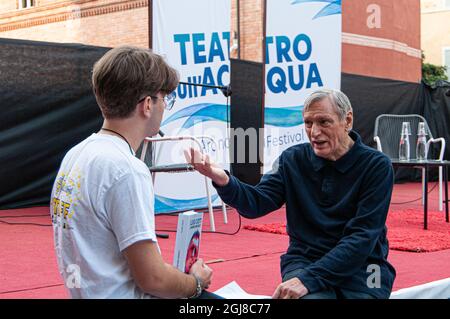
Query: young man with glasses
x=102, y=199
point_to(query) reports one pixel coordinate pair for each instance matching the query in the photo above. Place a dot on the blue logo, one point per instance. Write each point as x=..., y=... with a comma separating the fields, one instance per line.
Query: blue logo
x=167, y=204
x=333, y=7
x=205, y=112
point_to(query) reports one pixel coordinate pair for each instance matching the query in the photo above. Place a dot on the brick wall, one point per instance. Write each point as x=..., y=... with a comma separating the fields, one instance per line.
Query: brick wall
x=391, y=51
x=251, y=30
x=110, y=30
x=115, y=22
x=104, y=23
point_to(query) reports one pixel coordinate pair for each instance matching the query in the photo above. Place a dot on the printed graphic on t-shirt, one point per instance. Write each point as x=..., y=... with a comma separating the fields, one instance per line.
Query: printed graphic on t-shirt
x=67, y=195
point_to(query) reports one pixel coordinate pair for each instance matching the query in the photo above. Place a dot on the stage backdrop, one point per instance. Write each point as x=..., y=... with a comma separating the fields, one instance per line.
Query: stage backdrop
x=194, y=37
x=47, y=107
x=303, y=54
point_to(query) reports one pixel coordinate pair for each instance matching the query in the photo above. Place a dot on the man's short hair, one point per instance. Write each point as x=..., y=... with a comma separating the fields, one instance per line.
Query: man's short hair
x=126, y=74
x=339, y=100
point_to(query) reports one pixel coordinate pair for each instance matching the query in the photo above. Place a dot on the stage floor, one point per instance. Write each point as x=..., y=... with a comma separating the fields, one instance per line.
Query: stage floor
x=28, y=266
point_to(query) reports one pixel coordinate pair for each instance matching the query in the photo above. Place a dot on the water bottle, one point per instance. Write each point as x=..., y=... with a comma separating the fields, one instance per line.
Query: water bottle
x=421, y=147
x=403, y=150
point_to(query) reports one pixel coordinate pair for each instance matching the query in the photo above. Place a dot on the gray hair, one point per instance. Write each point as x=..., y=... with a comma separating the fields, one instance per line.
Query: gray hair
x=339, y=100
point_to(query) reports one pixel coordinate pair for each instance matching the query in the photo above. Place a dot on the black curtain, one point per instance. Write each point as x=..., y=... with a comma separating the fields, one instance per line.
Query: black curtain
x=371, y=97
x=247, y=111
x=47, y=106
x=437, y=112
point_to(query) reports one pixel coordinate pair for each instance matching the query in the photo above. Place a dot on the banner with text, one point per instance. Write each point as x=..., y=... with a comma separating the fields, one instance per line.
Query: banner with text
x=194, y=37
x=303, y=54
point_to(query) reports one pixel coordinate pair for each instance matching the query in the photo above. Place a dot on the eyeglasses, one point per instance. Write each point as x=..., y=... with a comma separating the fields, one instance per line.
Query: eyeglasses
x=169, y=100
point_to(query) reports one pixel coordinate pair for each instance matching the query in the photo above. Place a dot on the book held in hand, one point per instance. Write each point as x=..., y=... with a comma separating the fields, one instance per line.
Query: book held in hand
x=187, y=243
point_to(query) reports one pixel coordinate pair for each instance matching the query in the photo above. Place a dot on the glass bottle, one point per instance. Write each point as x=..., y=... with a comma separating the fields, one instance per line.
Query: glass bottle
x=404, y=150
x=421, y=146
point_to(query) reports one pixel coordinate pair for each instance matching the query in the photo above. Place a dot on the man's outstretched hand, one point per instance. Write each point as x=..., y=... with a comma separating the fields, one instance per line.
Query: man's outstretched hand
x=204, y=166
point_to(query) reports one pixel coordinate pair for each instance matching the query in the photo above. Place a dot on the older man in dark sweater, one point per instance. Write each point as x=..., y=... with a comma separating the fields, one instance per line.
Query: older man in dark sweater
x=337, y=193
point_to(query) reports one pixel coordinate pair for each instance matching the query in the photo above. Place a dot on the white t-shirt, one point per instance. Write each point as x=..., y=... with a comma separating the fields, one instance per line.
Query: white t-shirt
x=102, y=202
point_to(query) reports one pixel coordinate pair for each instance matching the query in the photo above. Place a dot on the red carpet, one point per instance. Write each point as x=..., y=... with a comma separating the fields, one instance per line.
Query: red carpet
x=28, y=265
x=405, y=231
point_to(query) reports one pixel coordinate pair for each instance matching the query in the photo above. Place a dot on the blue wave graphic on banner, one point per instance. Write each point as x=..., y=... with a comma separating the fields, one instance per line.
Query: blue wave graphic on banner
x=199, y=113
x=333, y=7
x=283, y=116
x=204, y=112
x=165, y=204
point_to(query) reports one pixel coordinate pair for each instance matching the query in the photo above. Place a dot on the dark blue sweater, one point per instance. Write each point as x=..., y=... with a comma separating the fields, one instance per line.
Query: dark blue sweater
x=336, y=213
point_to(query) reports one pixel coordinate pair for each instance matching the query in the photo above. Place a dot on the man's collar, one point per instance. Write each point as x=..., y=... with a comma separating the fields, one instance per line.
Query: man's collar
x=342, y=164
x=123, y=144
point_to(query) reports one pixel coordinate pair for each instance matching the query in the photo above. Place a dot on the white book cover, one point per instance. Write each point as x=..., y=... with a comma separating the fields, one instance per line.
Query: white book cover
x=187, y=242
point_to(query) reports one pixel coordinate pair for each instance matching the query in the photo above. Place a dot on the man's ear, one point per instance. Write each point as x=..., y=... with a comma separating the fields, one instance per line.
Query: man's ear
x=349, y=120
x=146, y=107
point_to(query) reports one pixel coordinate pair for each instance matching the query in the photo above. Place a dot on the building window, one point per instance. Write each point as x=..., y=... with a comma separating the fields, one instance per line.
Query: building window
x=23, y=4
x=447, y=61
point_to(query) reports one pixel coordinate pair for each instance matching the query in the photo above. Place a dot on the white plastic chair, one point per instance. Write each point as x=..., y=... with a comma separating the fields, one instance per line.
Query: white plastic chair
x=387, y=136
x=179, y=168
